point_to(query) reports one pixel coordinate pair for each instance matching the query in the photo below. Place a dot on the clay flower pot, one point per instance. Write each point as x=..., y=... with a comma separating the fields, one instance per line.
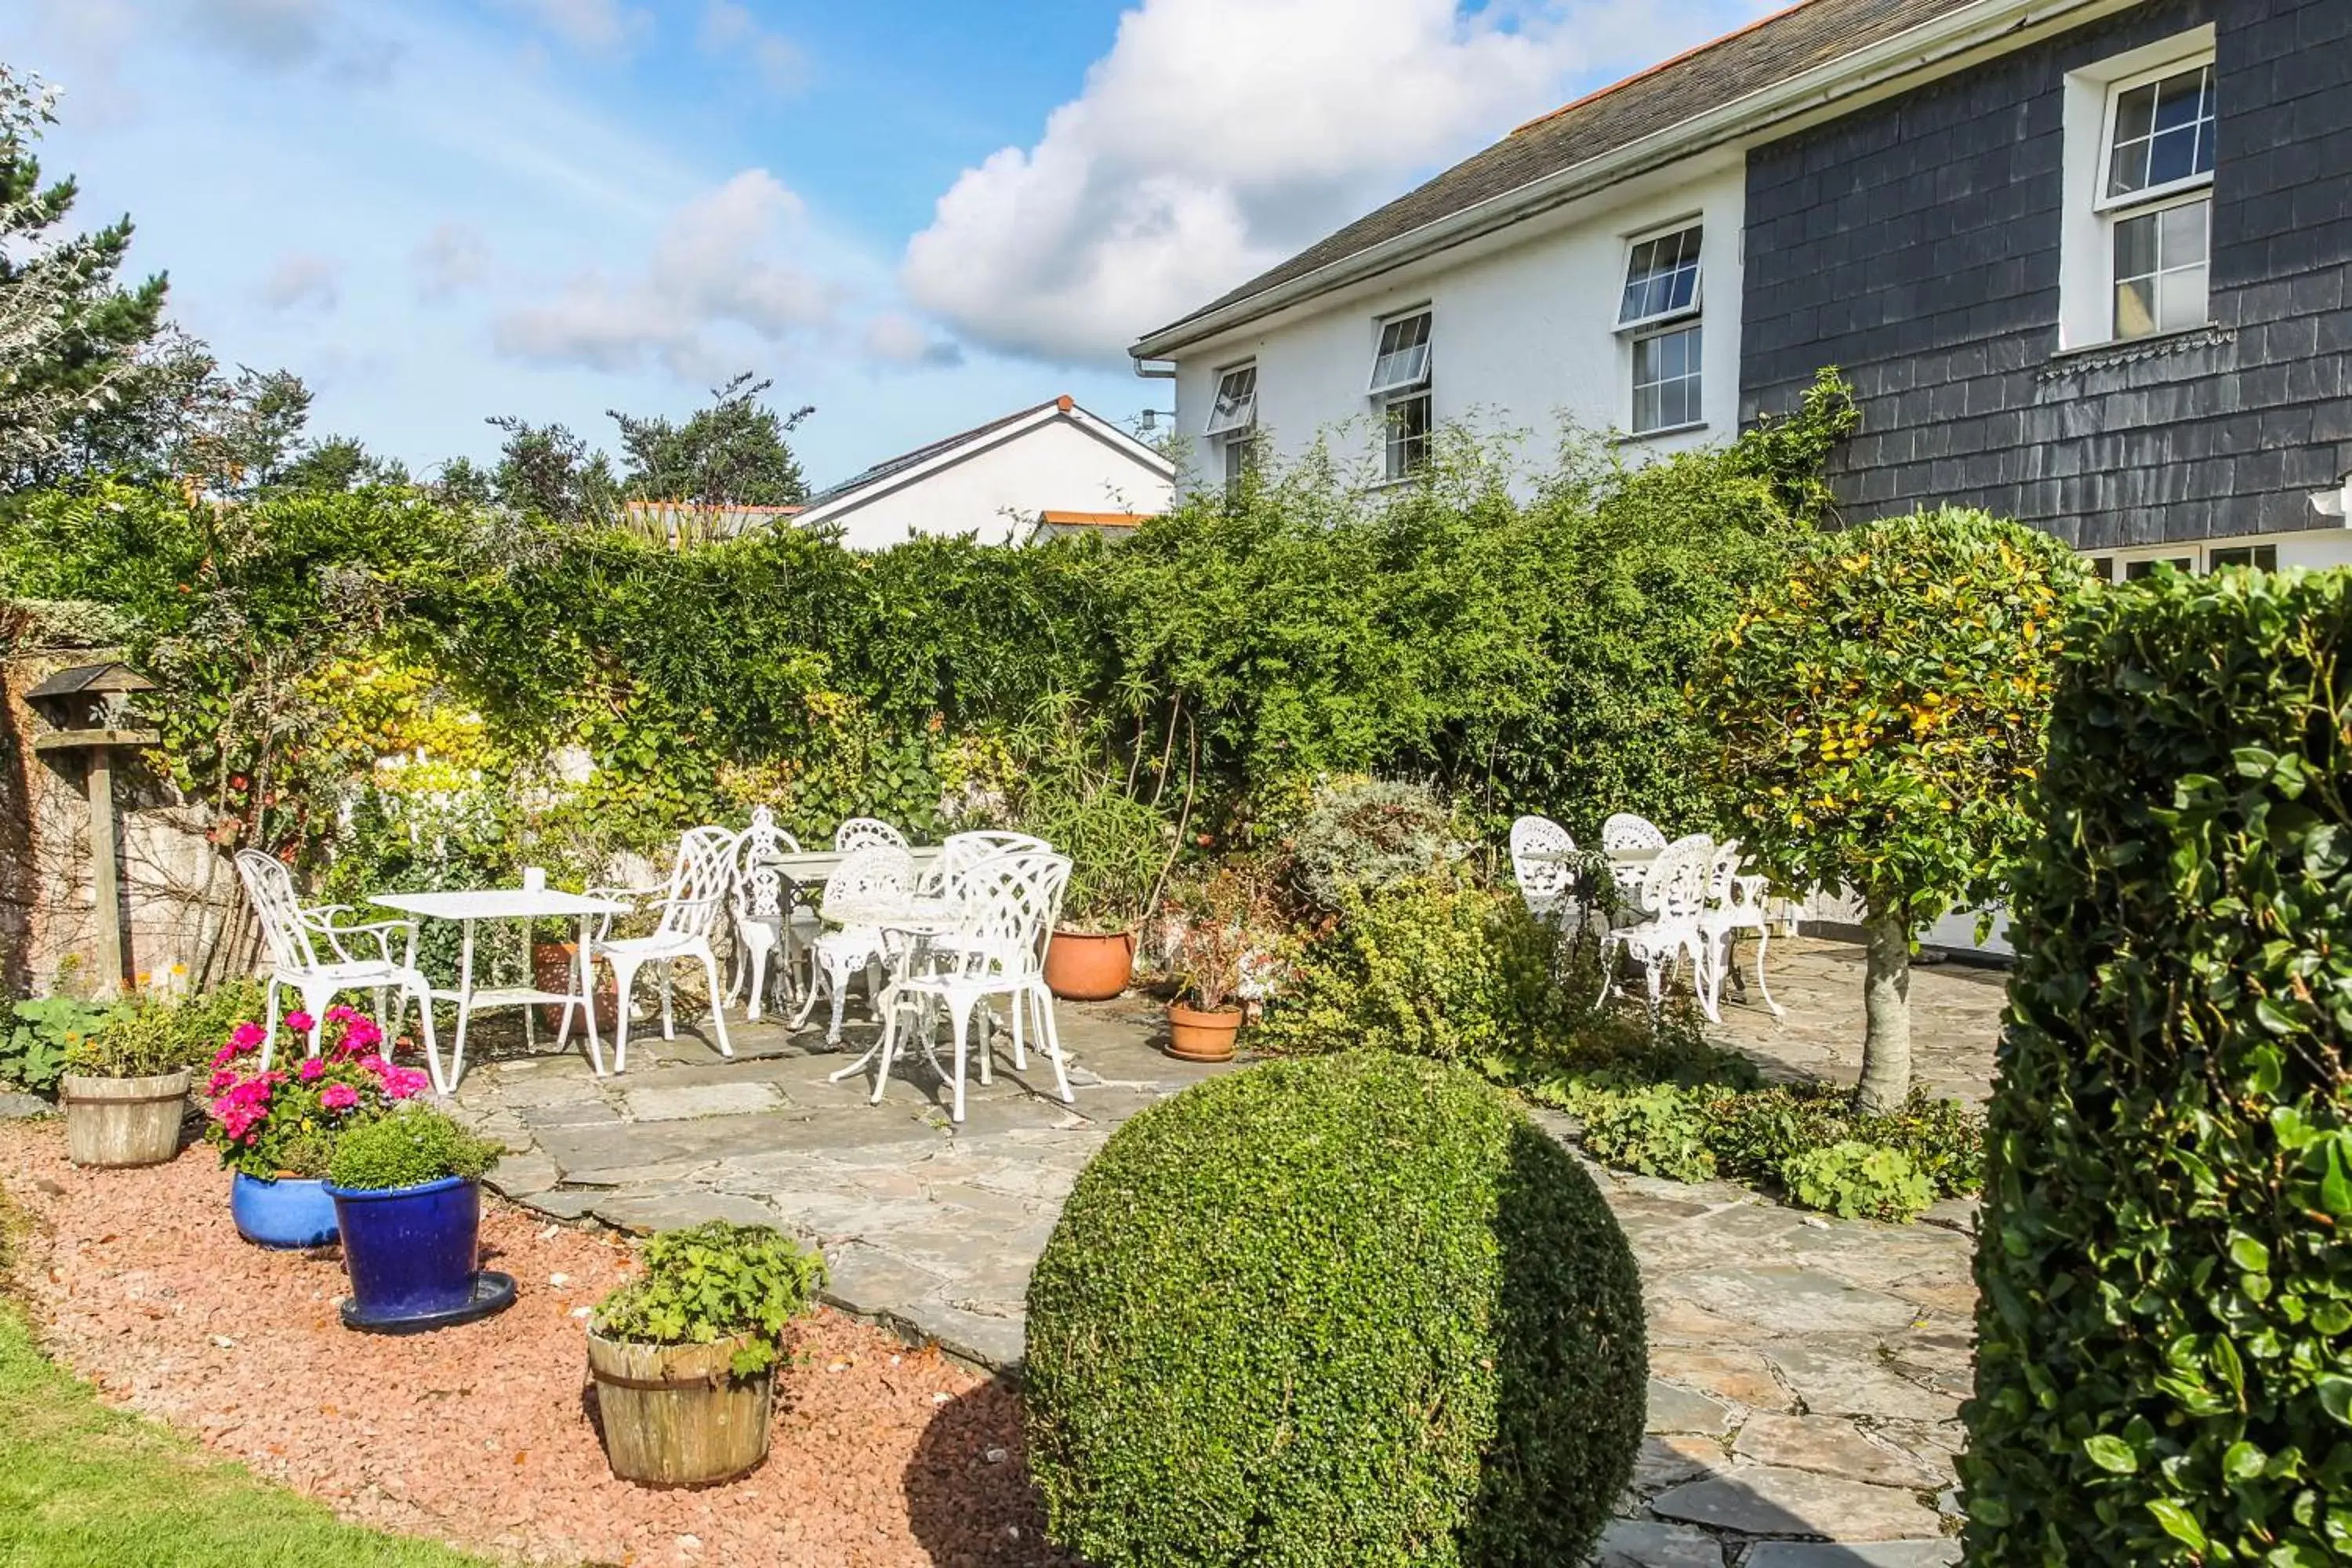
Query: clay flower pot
x=121, y=1122
x=675, y=1416
x=551, y=970
x=1081, y=966
x=1202, y=1036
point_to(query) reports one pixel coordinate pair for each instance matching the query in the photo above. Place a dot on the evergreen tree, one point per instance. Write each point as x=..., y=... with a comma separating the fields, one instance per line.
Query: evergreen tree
x=732, y=453
x=68, y=333
x=547, y=471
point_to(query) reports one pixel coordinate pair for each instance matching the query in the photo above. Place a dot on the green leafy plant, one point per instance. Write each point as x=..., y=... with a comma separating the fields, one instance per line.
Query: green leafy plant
x=1369, y=835
x=1355, y=1310
x=1231, y=944
x=407, y=1147
x=1878, y=715
x=1457, y=973
x=37, y=1036
x=716, y=1281
x=138, y=1037
x=1658, y=1132
x=1858, y=1181
x=2164, y=1367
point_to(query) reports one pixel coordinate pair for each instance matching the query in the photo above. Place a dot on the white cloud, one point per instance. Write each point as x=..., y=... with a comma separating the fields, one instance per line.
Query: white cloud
x=454, y=257
x=301, y=281
x=895, y=339
x=714, y=271
x=1219, y=136
x=274, y=33
x=731, y=31
x=593, y=26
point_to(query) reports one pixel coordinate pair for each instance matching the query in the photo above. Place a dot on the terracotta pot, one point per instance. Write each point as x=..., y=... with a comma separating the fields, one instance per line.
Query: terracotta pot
x=1081, y=966
x=674, y=1415
x=118, y=1122
x=1199, y=1036
x=551, y=970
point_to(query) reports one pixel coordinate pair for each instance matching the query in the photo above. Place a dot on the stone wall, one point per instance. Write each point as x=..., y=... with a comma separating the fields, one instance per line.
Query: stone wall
x=1916, y=245
x=176, y=890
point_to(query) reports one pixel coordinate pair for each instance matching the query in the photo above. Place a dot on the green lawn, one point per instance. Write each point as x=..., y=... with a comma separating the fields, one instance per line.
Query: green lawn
x=82, y=1486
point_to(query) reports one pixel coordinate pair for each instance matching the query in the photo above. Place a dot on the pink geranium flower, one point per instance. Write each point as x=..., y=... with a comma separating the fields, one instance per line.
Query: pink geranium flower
x=299, y=1022
x=405, y=1083
x=339, y=1097
x=247, y=1037
x=312, y=1069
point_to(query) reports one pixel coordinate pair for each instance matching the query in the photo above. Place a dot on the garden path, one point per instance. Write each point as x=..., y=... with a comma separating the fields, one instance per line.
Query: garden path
x=1806, y=1372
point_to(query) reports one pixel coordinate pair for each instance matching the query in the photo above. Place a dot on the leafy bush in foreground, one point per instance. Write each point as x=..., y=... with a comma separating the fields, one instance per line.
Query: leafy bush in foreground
x=1346, y=1312
x=2164, y=1371
x=1858, y=1181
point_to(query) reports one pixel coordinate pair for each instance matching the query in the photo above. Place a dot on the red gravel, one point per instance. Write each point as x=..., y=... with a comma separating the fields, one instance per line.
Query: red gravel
x=478, y=1435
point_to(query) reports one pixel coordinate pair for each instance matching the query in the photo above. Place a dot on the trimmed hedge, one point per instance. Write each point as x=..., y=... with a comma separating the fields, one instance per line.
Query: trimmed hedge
x=2165, y=1340
x=1341, y=1312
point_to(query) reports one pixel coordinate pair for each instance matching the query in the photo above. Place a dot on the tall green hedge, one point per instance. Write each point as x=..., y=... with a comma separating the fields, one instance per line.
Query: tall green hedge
x=2165, y=1359
x=1349, y=1312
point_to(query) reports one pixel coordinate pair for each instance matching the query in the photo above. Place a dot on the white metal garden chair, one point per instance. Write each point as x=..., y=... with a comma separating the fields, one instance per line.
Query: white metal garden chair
x=1734, y=903
x=1670, y=900
x=771, y=918
x=878, y=874
x=1541, y=865
x=1622, y=832
x=693, y=899
x=858, y=832
x=958, y=850
x=297, y=961
x=1007, y=905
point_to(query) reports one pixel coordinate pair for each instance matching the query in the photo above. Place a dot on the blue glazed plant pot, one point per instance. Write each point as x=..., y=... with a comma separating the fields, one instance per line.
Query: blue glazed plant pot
x=291, y=1212
x=411, y=1252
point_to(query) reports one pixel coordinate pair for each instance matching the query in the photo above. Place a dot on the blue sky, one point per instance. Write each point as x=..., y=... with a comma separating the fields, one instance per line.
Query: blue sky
x=914, y=216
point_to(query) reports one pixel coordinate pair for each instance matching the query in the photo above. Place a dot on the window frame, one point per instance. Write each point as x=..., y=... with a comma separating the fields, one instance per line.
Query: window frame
x=1384, y=392
x=2104, y=180
x=1416, y=447
x=1695, y=373
x=1210, y=428
x=2115, y=278
x=1641, y=326
x=2196, y=558
x=1237, y=456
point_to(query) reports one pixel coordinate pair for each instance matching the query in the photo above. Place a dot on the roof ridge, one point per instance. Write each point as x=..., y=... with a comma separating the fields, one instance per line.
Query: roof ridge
x=1667, y=63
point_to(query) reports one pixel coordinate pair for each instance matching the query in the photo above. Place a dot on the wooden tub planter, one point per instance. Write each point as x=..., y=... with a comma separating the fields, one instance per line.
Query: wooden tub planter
x=675, y=1416
x=113, y=1123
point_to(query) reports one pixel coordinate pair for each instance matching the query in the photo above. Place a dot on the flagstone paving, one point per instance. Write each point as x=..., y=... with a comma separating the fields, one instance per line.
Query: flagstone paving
x=1807, y=1371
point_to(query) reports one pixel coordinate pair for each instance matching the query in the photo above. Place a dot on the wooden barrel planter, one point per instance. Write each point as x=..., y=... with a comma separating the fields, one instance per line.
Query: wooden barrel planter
x=121, y=1122
x=674, y=1415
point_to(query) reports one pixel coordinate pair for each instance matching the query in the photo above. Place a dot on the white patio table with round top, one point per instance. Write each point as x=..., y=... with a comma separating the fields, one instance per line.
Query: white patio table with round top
x=471, y=907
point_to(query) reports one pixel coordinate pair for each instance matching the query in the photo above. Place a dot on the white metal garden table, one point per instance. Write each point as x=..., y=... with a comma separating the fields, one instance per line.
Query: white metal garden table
x=918, y=919
x=468, y=908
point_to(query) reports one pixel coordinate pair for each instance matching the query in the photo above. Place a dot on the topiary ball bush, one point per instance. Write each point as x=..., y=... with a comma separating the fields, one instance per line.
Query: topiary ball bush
x=1347, y=1310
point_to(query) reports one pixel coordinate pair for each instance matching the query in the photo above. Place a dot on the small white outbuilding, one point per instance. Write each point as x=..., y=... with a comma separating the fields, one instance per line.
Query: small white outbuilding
x=998, y=481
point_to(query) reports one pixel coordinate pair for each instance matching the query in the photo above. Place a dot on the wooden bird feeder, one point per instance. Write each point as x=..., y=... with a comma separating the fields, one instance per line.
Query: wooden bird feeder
x=89, y=711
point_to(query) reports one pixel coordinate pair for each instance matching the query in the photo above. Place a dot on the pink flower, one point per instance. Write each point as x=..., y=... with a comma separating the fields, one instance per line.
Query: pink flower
x=219, y=1084
x=247, y=1037
x=405, y=1083
x=224, y=1056
x=299, y=1022
x=340, y=1014
x=339, y=1097
x=312, y=1069
x=373, y=1064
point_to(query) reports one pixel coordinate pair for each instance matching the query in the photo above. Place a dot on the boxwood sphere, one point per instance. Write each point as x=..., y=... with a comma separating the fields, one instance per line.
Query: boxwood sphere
x=1348, y=1311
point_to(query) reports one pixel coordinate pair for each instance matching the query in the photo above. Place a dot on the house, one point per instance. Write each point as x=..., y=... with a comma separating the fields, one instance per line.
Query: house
x=2088, y=264
x=994, y=481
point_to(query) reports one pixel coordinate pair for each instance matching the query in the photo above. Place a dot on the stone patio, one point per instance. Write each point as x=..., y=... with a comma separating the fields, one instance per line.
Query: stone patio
x=1806, y=1372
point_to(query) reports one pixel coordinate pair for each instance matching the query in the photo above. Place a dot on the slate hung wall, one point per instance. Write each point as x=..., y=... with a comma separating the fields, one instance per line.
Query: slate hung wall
x=1916, y=244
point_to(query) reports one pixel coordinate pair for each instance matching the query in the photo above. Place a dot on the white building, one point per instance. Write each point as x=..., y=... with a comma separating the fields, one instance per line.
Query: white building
x=997, y=481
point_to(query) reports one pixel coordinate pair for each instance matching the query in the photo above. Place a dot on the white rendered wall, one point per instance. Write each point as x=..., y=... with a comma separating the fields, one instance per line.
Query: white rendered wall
x=997, y=492
x=1523, y=332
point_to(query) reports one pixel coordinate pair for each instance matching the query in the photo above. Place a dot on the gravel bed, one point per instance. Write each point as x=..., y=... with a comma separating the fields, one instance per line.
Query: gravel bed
x=479, y=1435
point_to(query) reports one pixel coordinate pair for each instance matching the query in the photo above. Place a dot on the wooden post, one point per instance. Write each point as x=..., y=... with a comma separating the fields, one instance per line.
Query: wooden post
x=110, y=888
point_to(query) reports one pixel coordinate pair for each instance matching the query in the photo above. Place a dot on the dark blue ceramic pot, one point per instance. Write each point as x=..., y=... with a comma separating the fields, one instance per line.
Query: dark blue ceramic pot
x=412, y=1252
x=291, y=1212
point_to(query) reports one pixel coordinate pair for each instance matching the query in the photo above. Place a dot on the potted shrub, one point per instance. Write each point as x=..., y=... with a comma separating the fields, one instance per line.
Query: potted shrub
x=1117, y=846
x=408, y=1202
x=126, y=1087
x=1223, y=957
x=684, y=1357
x=277, y=1130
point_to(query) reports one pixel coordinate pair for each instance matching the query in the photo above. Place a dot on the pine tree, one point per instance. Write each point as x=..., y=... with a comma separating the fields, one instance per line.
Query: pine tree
x=68, y=333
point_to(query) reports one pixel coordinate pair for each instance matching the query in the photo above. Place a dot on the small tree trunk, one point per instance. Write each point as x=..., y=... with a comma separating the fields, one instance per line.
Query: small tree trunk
x=1887, y=1014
